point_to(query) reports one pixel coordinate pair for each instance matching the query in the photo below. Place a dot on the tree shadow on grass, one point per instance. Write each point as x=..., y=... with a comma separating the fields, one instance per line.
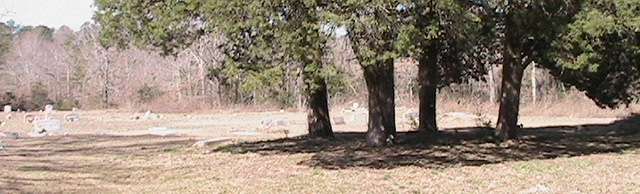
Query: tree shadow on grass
x=454, y=147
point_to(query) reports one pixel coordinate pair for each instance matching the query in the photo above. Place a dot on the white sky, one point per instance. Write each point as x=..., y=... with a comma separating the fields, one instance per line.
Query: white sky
x=52, y=13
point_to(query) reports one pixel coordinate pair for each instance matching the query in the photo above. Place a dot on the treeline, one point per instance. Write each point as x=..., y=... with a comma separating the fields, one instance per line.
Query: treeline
x=255, y=51
x=72, y=70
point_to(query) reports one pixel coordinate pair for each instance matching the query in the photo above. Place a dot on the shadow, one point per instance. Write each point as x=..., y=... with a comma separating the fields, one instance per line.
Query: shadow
x=454, y=147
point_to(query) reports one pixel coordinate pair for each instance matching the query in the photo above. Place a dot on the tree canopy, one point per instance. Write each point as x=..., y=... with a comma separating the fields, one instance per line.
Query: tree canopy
x=600, y=52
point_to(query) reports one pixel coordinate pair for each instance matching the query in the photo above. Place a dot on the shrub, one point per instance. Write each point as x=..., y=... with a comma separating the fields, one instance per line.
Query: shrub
x=7, y=98
x=39, y=96
x=67, y=104
x=148, y=93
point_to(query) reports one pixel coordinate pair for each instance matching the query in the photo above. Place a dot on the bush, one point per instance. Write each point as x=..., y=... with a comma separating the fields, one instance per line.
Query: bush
x=39, y=96
x=67, y=104
x=7, y=98
x=148, y=93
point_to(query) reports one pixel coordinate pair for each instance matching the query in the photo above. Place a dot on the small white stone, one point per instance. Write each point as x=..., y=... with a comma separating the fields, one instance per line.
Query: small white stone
x=538, y=189
x=48, y=108
x=210, y=142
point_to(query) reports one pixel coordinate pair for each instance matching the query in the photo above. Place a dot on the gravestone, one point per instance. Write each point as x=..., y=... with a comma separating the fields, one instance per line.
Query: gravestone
x=211, y=142
x=47, y=126
x=7, y=109
x=48, y=108
x=150, y=116
x=412, y=117
x=162, y=131
x=273, y=122
x=355, y=106
x=29, y=118
x=72, y=117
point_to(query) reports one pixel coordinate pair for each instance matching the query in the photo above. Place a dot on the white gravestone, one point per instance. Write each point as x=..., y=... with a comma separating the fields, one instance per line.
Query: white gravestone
x=48, y=126
x=48, y=108
x=7, y=109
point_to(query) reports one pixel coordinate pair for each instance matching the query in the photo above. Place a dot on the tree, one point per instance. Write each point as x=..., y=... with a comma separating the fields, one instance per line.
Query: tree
x=282, y=32
x=250, y=29
x=600, y=52
x=527, y=28
x=6, y=36
x=305, y=43
x=6, y=39
x=444, y=37
x=373, y=28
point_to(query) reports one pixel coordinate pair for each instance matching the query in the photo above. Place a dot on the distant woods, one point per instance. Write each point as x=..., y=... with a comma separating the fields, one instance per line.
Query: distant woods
x=70, y=68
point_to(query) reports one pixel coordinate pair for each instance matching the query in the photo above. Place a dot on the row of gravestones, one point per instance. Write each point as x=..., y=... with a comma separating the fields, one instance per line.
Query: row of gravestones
x=47, y=125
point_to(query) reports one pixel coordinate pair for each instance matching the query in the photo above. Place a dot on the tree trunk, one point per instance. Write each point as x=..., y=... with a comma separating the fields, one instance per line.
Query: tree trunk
x=512, y=73
x=318, y=118
x=380, y=85
x=428, y=78
x=492, y=85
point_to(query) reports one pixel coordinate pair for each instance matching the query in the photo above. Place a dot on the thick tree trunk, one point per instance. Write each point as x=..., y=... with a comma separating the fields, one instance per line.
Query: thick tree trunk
x=512, y=73
x=380, y=85
x=318, y=118
x=428, y=78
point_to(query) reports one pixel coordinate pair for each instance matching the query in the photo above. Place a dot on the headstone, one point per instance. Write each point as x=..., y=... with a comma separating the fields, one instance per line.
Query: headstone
x=162, y=131
x=72, y=117
x=48, y=126
x=48, y=108
x=412, y=117
x=150, y=116
x=7, y=109
x=273, y=122
x=210, y=142
x=355, y=106
x=29, y=118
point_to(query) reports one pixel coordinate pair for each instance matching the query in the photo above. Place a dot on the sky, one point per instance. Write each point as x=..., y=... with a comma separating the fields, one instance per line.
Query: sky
x=52, y=13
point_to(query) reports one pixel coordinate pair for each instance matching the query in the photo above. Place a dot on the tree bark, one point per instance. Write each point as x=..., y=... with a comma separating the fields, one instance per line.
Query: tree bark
x=512, y=73
x=428, y=77
x=380, y=85
x=492, y=85
x=318, y=118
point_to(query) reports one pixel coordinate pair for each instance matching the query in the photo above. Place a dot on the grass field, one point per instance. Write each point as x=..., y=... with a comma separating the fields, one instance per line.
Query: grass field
x=99, y=156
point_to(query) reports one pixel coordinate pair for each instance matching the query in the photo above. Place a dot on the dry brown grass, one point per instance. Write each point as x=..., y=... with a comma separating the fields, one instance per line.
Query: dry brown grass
x=565, y=159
